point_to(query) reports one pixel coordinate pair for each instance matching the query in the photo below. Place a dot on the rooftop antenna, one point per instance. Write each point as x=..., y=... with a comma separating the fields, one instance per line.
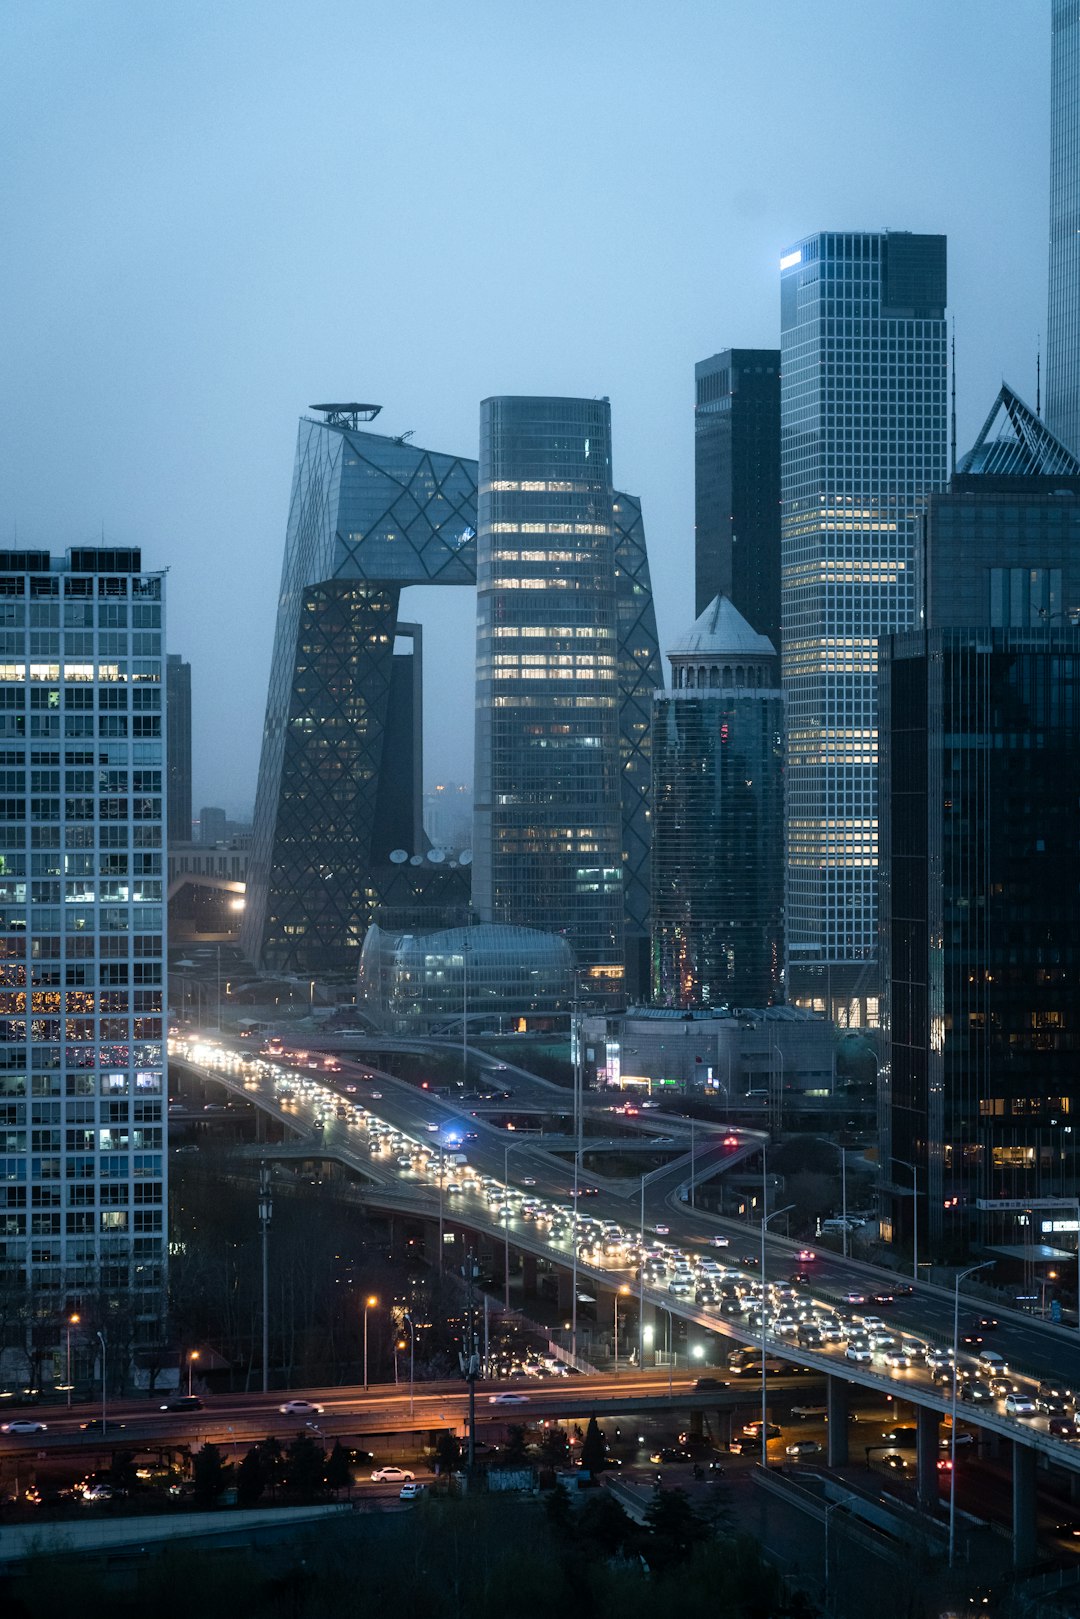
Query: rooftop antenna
x=1038, y=375
x=953, y=417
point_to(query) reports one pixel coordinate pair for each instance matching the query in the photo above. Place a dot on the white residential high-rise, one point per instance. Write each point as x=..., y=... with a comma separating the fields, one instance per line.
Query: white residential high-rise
x=864, y=420
x=83, y=1164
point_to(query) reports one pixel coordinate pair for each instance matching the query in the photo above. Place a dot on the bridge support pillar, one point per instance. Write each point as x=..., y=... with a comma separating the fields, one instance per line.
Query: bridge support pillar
x=836, y=1399
x=528, y=1275
x=566, y=1292
x=1023, y=1471
x=926, y=1454
x=697, y=1421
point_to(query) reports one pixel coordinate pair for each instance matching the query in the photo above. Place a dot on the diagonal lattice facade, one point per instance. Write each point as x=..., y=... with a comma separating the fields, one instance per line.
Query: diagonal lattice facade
x=368, y=515
x=640, y=675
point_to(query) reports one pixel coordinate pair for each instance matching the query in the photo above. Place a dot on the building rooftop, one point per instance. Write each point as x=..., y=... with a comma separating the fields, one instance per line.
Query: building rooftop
x=721, y=632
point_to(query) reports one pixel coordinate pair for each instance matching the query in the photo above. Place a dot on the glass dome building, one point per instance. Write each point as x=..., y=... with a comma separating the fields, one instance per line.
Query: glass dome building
x=410, y=981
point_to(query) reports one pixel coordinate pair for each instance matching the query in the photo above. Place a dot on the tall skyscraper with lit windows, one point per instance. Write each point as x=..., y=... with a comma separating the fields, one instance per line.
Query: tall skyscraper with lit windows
x=1063, y=312
x=863, y=438
x=83, y=1167
x=548, y=816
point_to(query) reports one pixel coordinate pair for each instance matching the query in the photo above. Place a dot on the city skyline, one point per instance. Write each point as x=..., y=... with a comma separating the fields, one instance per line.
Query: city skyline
x=189, y=322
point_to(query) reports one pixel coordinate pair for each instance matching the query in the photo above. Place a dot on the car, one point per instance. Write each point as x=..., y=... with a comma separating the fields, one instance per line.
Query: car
x=987, y=1323
x=1063, y=1427
x=376, y=1094
x=752, y=1430
x=719, y=1242
x=897, y=1360
x=855, y=1297
x=859, y=1352
x=807, y=1256
x=508, y=1399
x=95, y=1425
x=182, y=1402
x=392, y=1475
x=99, y=1491
x=944, y=1464
x=1069, y=1530
x=972, y=1340
x=799, y=1277
x=22, y=1425
x=975, y=1393
x=1052, y=1405
x=803, y=1447
x=898, y=1463
x=300, y=1408
x=883, y=1298
x=528, y=1180
x=964, y=1440
x=410, y=1490
x=662, y=1230
x=1057, y=1388
x=711, y=1383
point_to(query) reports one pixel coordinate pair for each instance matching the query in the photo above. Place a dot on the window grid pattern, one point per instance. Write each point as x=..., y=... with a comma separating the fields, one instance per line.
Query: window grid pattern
x=1063, y=314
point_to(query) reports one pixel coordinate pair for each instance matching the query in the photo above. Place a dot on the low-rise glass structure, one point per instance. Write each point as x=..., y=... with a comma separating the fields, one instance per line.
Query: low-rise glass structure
x=476, y=974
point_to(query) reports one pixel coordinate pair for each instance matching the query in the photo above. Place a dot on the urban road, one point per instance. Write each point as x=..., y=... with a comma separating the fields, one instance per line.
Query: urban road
x=1034, y=1349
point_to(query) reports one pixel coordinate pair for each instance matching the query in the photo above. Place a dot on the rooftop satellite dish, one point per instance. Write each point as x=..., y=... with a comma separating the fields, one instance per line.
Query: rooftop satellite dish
x=398, y=857
x=436, y=856
x=466, y=857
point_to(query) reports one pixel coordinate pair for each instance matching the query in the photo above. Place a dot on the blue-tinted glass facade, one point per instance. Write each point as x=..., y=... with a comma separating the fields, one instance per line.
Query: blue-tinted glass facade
x=1063, y=315
x=863, y=439
x=548, y=807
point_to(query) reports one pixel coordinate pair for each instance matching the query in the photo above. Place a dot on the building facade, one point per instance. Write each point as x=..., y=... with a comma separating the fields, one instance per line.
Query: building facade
x=718, y=819
x=981, y=868
x=1063, y=309
x=548, y=847
x=83, y=1164
x=485, y=976
x=178, y=707
x=863, y=440
x=737, y=484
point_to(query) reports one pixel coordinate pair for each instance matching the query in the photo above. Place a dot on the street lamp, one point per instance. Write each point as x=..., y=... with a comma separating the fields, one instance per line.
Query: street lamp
x=369, y=1304
x=193, y=1356
x=100, y=1336
x=266, y=1209
x=623, y=1290
x=412, y=1357
x=765, y=1218
x=986, y=1265
x=904, y=1162
x=72, y=1321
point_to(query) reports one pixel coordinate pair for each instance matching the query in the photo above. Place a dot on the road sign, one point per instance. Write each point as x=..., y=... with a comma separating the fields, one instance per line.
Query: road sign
x=1021, y=1205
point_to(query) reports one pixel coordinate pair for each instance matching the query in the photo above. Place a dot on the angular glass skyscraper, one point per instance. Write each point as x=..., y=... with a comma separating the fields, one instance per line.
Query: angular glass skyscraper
x=1063, y=312
x=864, y=438
x=83, y=1163
x=340, y=788
x=548, y=806
x=718, y=818
x=737, y=484
x=339, y=785
x=178, y=704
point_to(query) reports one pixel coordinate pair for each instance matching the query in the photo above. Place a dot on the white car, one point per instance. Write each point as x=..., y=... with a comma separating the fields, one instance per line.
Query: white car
x=300, y=1408
x=719, y=1242
x=859, y=1352
x=1020, y=1405
x=508, y=1399
x=897, y=1359
x=392, y=1475
x=409, y=1491
x=23, y=1425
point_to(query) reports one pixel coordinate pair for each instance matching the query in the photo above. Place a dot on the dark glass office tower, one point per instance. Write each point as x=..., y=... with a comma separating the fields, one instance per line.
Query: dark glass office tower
x=980, y=859
x=864, y=416
x=718, y=818
x=548, y=818
x=981, y=869
x=737, y=484
x=1063, y=314
x=339, y=776
x=178, y=703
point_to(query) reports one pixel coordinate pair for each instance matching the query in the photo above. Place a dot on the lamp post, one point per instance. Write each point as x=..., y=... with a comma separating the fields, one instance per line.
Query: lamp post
x=369, y=1304
x=622, y=1291
x=986, y=1265
x=193, y=1355
x=765, y=1218
x=100, y=1336
x=914, y=1209
x=412, y=1359
x=266, y=1209
x=506, y=1226
x=641, y=1284
x=72, y=1321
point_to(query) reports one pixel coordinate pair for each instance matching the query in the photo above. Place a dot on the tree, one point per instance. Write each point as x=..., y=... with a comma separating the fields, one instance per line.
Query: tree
x=555, y=1450
x=209, y=1473
x=338, y=1473
x=559, y=1511
x=273, y=1463
x=516, y=1445
x=305, y=1466
x=447, y=1452
x=603, y=1522
x=251, y=1477
x=675, y=1529
x=593, y=1457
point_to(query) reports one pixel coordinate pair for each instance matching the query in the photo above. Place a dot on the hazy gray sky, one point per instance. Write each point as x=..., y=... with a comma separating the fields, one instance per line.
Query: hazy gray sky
x=217, y=213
